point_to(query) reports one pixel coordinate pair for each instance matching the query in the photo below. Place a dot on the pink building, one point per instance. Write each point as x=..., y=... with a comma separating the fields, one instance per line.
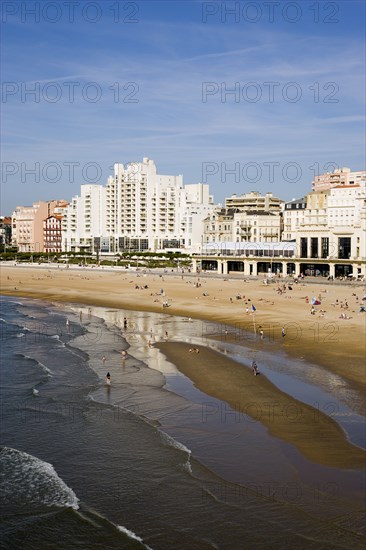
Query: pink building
x=27, y=221
x=340, y=177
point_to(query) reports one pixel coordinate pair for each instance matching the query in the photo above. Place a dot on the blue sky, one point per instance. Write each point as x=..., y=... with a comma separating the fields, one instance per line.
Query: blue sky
x=172, y=63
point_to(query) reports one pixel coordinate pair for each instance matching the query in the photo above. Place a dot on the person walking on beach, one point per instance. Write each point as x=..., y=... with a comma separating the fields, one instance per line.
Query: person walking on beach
x=254, y=368
x=108, y=378
x=104, y=359
x=125, y=323
x=283, y=332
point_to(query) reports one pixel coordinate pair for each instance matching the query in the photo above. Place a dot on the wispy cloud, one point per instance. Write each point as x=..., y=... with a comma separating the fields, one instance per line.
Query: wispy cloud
x=170, y=61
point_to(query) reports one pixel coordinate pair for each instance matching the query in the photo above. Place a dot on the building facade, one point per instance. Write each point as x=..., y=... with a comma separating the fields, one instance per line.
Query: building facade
x=339, y=177
x=149, y=211
x=293, y=217
x=257, y=226
x=255, y=201
x=52, y=234
x=27, y=224
x=5, y=230
x=83, y=221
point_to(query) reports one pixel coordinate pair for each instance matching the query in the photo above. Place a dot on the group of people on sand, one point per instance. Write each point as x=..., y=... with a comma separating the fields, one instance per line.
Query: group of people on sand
x=193, y=350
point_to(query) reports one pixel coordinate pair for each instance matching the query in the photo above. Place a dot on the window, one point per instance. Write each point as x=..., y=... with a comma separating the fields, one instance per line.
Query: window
x=344, y=248
x=325, y=247
x=304, y=247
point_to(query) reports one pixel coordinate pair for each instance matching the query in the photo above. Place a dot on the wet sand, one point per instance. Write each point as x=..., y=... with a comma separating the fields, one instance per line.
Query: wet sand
x=324, y=338
x=315, y=435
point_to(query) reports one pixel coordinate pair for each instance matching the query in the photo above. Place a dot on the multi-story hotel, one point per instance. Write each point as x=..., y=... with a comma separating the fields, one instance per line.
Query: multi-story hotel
x=138, y=210
x=149, y=211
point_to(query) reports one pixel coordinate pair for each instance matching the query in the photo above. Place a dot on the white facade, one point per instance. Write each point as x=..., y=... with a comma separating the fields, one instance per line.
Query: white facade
x=149, y=211
x=334, y=229
x=84, y=219
x=293, y=217
x=143, y=206
x=198, y=193
x=198, y=205
x=346, y=218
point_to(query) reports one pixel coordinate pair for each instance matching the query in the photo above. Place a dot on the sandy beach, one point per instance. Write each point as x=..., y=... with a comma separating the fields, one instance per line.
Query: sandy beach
x=324, y=338
x=294, y=432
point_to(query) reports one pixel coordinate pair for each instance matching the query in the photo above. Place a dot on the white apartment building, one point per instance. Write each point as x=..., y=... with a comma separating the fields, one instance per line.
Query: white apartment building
x=293, y=217
x=83, y=221
x=198, y=205
x=149, y=211
x=142, y=207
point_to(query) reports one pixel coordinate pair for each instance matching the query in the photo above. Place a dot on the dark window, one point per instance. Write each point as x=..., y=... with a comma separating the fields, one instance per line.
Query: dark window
x=314, y=247
x=344, y=248
x=325, y=247
x=304, y=247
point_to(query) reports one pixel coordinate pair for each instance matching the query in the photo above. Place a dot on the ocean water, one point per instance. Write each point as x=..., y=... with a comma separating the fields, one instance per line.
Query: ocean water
x=149, y=461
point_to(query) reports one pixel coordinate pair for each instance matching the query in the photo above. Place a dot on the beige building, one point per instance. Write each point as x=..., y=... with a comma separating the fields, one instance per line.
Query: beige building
x=218, y=226
x=252, y=226
x=230, y=225
x=255, y=201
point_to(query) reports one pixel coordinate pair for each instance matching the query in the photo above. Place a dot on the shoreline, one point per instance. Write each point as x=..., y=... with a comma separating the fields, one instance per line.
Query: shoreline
x=337, y=344
x=317, y=436
x=236, y=461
